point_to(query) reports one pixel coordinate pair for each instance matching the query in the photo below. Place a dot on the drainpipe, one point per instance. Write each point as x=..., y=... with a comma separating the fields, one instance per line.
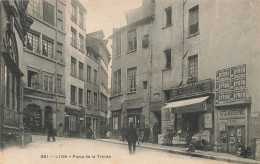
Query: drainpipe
x=150, y=74
x=184, y=54
x=56, y=66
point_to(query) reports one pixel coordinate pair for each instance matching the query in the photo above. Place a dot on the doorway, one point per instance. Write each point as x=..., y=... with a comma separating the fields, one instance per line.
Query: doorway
x=236, y=138
x=48, y=117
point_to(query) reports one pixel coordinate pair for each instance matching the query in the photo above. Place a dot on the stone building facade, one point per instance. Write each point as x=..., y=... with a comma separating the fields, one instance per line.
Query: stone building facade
x=131, y=75
x=14, y=26
x=44, y=66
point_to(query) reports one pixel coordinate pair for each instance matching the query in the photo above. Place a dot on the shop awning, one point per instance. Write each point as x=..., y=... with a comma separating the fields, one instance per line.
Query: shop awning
x=190, y=105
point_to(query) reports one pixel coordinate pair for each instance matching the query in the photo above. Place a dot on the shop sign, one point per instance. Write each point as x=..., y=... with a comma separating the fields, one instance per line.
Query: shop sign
x=223, y=114
x=231, y=84
x=192, y=89
x=208, y=120
x=233, y=122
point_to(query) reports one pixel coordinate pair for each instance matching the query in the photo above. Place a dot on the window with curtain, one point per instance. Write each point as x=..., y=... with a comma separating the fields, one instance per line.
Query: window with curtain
x=48, y=83
x=73, y=40
x=88, y=97
x=80, y=96
x=95, y=76
x=168, y=59
x=89, y=73
x=81, y=71
x=81, y=43
x=60, y=20
x=194, y=20
x=59, y=56
x=168, y=16
x=131, y=80
x=74, y=13
x=131, y=40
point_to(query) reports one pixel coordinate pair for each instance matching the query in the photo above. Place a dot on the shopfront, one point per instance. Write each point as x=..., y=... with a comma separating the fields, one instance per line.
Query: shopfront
x=190, y=114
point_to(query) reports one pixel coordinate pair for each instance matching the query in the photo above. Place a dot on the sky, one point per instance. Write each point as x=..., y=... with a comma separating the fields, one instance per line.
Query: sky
x=106, y=15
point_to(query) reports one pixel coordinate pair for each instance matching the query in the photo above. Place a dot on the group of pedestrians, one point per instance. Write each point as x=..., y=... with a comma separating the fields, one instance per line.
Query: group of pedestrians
x=131, y=135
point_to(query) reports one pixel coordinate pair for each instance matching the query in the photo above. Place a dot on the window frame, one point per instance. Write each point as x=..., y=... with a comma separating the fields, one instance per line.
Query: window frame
x=88, y=73
x=80, y=98
x=46, y=18
x=81, y=43
x=134, y=48
x=168, y=59
x=193, y=69
x=49, y=83
x=33, y=36
x=49, y=44
x=166, y=19
x=34, y=8
x=81, y=68
x=60, y=19
x=73, y=40
x=73, y=13
x=74, y=98
x=118, y=45
x=189, y=21
x=117, y=90
x=134, y=81
x=88, y=97
x=73, y=65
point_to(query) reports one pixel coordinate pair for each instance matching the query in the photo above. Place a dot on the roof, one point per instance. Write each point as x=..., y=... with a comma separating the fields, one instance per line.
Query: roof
x=131, y=25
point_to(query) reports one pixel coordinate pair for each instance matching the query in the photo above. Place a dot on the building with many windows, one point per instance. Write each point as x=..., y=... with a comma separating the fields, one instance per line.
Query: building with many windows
x=44, y=66
x=75, y=68
x=96, y=83
x=131, y=65
x=203, y=68
x=13, y=29
x=205, y=57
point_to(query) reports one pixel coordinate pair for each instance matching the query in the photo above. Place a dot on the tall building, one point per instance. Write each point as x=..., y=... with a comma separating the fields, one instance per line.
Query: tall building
x=131, y=75
x=43, y=64
x=96, y=83
x=75, y=68
x=14, y=26
x=205, y=59
x=203, y=66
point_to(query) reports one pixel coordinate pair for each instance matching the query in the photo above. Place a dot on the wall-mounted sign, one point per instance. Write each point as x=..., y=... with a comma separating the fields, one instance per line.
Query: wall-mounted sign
x=228, y=113
x=231, y=84
x=208, y=120
x=192, y=89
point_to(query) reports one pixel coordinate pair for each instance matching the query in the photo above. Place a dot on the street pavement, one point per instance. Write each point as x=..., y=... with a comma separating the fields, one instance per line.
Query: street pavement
x=77, y=151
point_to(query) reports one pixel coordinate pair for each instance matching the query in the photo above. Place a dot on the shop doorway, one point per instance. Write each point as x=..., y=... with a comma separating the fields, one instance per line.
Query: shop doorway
x=190, y=122
x=235, y=138
x=33, y=118
x=135, y=119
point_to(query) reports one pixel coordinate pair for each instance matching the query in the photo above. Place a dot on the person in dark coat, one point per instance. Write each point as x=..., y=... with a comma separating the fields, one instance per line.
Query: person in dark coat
x=146, y=134
x=131, y=138
x=51, y=133
x=155, y=132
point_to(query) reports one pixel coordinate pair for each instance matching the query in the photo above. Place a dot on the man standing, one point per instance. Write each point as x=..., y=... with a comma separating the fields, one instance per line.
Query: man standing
x=146, y=134
x=51, y=132
x=131, y=138
x=155, y=132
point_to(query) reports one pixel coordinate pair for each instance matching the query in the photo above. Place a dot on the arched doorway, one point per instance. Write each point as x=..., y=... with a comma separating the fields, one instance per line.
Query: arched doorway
x=33, y=118
x=48, y=117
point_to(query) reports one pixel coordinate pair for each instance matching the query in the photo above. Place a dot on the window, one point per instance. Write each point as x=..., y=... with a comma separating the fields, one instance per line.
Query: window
x=145, y=42
x=115, y=123
x=80, y=96
x=168, y=60
x=95, y=76
x=73, y=95
x=73, y=41
x=118, y=45
x=59, y=84
x=73, y=13
x=167, y=95
x=81, y=20
x=145, y=84
x=89, y=73
x=131, y=80
x=194, y=20
x=88, y=97
x=60, y=20
x=72, y=122
x=73, y=66
x=47, y=47
x=95, y=99
x=48, y=83
x=81, y=43
x=48, y=13
x=193, y=67
x=59, y=56
x=131, y=40
x=34, y=8
x=81, y=71
x=116, y=82
x=12, y=89
x=32, y=42
x=33, y=79
x=168, y=16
